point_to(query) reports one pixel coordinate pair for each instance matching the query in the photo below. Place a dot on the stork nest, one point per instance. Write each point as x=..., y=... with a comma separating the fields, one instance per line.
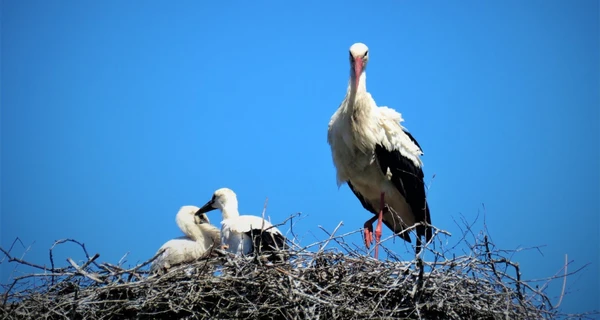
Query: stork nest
x=325, y=283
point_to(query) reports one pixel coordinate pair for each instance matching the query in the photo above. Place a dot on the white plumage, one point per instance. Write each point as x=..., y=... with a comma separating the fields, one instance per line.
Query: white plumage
x=242, y=234
x=378, y=159
x=199, y=237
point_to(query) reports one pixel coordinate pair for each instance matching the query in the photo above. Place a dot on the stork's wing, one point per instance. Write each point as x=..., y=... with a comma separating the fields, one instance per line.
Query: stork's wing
x=264, y=236
x=263, y=241
x=176, y=251
x=412, y=139
x=408, y=179
x=332, y=127
x=399, y=152
x=391, y=122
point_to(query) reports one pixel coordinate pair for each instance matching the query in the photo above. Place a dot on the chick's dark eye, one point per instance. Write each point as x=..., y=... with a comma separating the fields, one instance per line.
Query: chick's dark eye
x=366, y=53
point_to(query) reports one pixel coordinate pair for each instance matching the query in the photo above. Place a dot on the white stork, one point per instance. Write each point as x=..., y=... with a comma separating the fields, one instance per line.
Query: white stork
x=243, y=234
x=200, y=237
x=378, y=159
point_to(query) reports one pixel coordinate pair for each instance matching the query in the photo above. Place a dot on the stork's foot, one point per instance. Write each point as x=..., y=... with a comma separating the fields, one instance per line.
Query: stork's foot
x=368, y=234
x=369, y=231
x=378, y=233
x=224, y=247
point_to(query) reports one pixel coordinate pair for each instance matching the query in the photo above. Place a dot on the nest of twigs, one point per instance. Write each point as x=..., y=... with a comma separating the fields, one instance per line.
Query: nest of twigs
x=325, y=283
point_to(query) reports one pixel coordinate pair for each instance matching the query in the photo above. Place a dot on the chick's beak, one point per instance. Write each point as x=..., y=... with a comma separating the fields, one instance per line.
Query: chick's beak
x=206, y=207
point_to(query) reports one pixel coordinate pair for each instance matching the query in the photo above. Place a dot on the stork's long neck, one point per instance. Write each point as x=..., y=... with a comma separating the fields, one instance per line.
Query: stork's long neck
x=357, y=97
x=196, y=234
x=359, y=114
x=358, y=100
x=203, y=234
x=209, y=232
x=191, y=229
x=230, y=209
x=355, y=92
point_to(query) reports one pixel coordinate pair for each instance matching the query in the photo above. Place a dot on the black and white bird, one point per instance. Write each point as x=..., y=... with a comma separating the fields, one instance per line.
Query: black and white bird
x=243, y=234
x=200, y=237
x=378, y=159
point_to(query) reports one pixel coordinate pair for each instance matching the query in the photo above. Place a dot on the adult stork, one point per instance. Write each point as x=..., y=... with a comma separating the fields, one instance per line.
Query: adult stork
x=378, y=159
x=200, y=237
x=243, y=234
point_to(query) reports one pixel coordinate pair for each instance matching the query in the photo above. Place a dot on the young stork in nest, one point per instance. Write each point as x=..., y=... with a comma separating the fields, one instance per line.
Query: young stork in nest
x=200, y=237
x=378, y=159
x=243, y=234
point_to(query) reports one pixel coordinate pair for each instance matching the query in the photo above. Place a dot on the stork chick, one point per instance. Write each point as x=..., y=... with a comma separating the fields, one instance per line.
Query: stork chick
x=243, y=234
x=200, y=237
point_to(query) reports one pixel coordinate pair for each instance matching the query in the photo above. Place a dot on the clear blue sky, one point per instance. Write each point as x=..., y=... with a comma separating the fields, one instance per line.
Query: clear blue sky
x=116, y=113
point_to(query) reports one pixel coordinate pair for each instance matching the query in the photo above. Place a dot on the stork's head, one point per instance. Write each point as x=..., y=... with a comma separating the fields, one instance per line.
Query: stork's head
x=188, y=213
x=201, y=218
x=189, y=216
x=193, y=223
x=221, y=199
x=359, y=56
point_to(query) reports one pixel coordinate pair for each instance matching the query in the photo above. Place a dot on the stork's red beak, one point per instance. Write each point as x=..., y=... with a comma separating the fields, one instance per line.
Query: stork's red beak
x=358, y=67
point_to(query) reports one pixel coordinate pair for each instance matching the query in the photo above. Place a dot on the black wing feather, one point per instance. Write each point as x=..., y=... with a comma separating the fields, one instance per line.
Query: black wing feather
x=412, y=139
x=266, y=241
x=408, y=179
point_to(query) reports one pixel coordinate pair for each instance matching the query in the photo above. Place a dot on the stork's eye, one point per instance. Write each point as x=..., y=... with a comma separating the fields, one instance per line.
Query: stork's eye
x=366, y=53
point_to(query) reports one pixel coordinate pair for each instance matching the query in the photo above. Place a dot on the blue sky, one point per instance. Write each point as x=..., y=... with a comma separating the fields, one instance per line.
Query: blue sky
x=116, y=113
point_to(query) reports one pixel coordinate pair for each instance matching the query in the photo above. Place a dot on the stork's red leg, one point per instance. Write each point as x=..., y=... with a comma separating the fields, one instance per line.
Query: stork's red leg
x=378, y=229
